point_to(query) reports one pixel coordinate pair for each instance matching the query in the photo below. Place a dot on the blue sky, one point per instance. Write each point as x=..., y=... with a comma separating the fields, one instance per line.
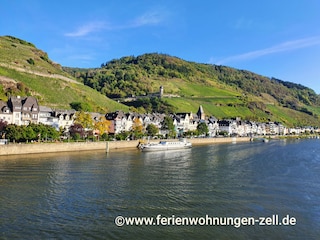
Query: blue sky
x=273, y=38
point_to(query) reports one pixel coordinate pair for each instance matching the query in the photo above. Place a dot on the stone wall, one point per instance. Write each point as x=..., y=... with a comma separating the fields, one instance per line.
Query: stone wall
x=13, y=149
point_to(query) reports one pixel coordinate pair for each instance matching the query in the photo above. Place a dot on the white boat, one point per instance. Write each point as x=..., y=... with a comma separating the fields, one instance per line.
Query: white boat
x=165, y=145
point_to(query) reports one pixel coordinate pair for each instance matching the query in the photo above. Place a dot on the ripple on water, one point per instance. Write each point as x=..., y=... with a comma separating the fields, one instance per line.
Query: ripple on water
x=78, y=196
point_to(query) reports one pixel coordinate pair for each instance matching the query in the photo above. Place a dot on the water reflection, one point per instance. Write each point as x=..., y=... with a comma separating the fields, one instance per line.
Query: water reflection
x=78, y=195
x=178, y=158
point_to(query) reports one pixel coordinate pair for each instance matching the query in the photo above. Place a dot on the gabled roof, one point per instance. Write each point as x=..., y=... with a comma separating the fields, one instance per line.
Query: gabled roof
x=63, y=112
x=15, y=103
x=4, y=108
x=45, y=109
x=29, y=102
x=183, y=114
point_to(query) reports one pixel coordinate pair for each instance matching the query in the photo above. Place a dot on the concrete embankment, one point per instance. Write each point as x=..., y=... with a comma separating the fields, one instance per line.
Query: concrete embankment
x=18, y=149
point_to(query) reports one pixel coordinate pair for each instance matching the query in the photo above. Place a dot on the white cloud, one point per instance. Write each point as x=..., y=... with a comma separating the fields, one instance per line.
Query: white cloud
x=87, y=29
x=149, y=18
x=282, y=47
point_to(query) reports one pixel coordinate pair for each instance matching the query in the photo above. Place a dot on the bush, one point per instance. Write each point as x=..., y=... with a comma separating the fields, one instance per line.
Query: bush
x=30, y=61
x=76, y=136
x=81, y=106
x=104, y=136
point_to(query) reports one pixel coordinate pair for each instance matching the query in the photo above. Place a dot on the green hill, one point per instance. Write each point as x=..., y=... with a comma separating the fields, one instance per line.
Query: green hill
x=224, y=92
x=26, y=70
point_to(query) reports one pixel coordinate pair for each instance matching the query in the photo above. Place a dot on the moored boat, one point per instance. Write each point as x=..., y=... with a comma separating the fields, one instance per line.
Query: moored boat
x=165, y=145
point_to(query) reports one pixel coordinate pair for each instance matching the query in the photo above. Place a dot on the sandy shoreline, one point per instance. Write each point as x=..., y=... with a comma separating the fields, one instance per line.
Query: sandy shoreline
x=18, y=149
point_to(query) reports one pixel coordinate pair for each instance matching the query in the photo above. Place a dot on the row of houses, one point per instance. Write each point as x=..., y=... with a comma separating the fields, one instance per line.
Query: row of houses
x=25, y=110
x=184, y=122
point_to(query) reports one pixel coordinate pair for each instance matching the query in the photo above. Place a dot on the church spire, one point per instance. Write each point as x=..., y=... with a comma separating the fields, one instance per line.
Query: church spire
x=201, y=113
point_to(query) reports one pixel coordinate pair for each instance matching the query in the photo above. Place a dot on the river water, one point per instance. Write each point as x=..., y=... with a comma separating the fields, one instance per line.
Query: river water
x=79, y=195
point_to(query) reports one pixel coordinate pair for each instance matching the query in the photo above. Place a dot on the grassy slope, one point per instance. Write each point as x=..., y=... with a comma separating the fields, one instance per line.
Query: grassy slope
x=226, y=102
x=17, y=52
x=52, y=92
x=276, y=113
x=59, y=93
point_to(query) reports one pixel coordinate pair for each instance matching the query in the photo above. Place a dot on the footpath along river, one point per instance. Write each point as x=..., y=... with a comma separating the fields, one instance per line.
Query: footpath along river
x=96, y=195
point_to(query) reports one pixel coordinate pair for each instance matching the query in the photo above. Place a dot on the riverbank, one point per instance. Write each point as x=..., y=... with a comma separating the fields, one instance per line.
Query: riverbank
x=34, y=148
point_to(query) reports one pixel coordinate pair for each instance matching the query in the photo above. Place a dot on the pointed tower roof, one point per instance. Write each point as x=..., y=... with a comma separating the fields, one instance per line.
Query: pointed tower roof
x=201, y=113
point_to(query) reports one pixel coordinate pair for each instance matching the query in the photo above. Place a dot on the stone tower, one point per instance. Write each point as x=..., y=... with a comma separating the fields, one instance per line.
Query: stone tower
x=161, y=92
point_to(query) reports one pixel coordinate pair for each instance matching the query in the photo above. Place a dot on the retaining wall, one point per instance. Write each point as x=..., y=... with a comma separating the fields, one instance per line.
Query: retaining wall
x=14, y=149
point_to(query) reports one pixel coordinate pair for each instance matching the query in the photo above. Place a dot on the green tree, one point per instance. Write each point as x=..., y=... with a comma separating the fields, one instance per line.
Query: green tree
x=13, y=132
x=31, y=132
x=152, y=130
x=104, y=136
x=122, y=136
x=52, y=133
x=44, y=132
x=28, y=133
x=202, y=128
x=81, y=106
x=167, y=125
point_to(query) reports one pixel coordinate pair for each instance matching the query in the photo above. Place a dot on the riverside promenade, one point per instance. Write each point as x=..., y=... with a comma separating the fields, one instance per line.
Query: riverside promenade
x=34, y=148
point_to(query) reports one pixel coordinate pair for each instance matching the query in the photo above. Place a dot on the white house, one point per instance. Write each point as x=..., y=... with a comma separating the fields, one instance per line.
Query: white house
x=5, y=113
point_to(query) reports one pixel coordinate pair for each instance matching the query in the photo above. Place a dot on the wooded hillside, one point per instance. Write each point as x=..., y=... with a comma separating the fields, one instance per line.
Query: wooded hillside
x=224, y=91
